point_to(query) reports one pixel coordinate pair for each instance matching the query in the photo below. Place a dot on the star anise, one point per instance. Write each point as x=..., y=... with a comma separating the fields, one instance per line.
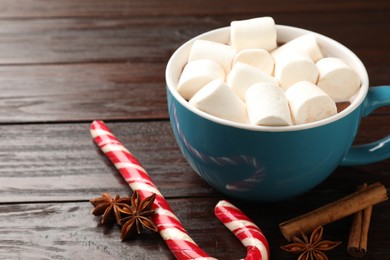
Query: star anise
x=139, y=214
x=310, y=248
x=109, y=207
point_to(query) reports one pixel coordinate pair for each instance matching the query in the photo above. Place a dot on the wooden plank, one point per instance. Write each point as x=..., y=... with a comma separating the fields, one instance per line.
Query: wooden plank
x=87, y=8
x=141, y=48
x=69, y=230
x=153, y=39
x=82, y=92
x=59, y=162
x=88, y=40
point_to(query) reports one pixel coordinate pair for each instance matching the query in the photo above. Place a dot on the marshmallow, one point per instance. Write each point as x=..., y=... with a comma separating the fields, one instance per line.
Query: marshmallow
x=337, y=79
x=242, y=76
x=258, y=58
x=221, y=53
x=308, y=103
x=257, y=33
x=291, y=67
x=267, y=105
x=217, y=99
x=196, y=74
x=306, y=43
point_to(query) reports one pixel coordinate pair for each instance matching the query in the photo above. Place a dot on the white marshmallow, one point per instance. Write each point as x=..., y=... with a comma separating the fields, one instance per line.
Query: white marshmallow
x=308, y=103
x=306, y=43
x=291, y=67
x=258, y=33
x=221, y=53
x=217, y=99
x=267, y=105
x=258, y=58
x=242, y=76
x=337, y=79
x=196, y=74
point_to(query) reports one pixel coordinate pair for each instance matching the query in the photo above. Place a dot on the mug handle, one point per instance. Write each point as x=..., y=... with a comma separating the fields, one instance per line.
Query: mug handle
x=378, y=150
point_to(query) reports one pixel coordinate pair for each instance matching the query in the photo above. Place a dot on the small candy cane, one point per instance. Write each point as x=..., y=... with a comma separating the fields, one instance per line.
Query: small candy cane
x=244, y=229
x=169, y=226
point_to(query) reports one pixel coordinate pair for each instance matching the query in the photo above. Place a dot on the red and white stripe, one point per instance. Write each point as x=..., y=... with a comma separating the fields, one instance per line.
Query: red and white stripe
x=244, y=229
x=169, y=226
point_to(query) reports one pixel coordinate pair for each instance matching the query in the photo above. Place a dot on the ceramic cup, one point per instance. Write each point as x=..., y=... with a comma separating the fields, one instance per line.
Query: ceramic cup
x=261, y=163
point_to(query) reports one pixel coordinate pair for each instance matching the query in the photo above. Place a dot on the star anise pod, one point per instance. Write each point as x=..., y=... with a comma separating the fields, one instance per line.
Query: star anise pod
x=310, y=248
x=139, y=214
x=109, y=207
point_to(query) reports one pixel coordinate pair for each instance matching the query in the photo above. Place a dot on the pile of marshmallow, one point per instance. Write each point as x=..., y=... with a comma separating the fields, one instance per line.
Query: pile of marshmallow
x=252, y=80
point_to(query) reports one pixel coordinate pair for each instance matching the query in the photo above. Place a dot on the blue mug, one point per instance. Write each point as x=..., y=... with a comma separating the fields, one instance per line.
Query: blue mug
x=262, y=163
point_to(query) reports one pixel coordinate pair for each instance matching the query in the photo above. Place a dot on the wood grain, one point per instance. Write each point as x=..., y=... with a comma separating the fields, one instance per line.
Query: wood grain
x=82, y=92
x=104, y=8
x=70, y=40
x=153, y=39
x=61, y=162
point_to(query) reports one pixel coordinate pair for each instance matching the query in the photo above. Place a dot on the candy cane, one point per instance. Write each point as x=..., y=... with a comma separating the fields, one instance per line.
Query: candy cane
x=169, y=226
x=244, y=229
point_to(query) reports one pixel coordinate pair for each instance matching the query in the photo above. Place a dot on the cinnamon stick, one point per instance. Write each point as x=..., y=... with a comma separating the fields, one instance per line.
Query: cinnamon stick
x=373, y=194
x=357, y=241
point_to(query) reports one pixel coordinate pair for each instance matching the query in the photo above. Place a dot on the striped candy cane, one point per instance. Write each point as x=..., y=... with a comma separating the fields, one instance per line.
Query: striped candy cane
x=169, y=226
x=244, y=229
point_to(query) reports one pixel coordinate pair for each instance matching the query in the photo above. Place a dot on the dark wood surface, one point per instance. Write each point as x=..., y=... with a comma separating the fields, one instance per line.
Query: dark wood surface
x=66, y=63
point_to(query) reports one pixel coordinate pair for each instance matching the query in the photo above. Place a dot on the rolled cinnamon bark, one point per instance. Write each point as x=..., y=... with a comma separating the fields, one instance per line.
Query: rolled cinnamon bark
x=375, y=193
x=357, y=241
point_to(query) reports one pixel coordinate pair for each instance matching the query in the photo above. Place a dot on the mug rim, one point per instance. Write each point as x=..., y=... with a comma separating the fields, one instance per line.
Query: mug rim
x=358, y=98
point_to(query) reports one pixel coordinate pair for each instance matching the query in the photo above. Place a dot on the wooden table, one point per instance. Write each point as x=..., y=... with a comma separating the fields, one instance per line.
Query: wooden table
x=66, y=63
